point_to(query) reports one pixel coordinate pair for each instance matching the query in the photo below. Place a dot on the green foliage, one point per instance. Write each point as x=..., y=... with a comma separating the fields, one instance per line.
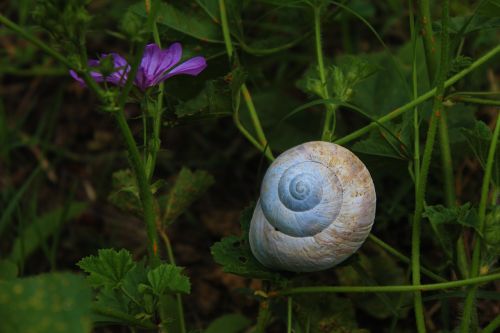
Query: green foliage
x=186, y=21
x=187, y=188
x=108, y=268
x=447, y=223
x=65, y=21
x=47, y=303
x=479, y=139
x=376, y=267
x=341, y=80
x=236, y=257
x=492, y=235
x=167, y=278
x=39, y=230
x=129, y=289
x=326, y=313
x=230, y=323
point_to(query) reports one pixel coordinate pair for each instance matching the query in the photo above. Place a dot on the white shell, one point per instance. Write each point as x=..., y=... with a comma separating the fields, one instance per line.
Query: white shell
x=317, y=207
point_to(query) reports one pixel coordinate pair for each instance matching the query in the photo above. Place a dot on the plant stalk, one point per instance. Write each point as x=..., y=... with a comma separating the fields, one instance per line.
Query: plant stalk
x=422, y=98
x=476, y=254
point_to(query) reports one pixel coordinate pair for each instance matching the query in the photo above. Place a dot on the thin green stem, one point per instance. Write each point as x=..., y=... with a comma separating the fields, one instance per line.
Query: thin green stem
x=255, y=120
x=409, y=106
x=158, y=109
x=289, y=315
x=424, y=171
x=144, y=191
x=262, y=141
x=424, y=12
x=178, y=296
x=390, y=289
x=416, y=120
x=474, y=100
x=327, y=132
x=492, y=326
x=402, y=257
x=476, y=254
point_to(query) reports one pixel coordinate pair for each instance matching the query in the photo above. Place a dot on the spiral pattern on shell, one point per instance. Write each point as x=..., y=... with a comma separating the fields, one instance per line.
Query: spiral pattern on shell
x=316, y=208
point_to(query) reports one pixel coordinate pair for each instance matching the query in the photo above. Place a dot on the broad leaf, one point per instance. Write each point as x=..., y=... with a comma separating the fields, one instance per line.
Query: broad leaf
x=188, y=187
x=492, y=234
x=186, y=20
x=236, y=257
x=168, y=278
x=108, y=268
x=48, y=303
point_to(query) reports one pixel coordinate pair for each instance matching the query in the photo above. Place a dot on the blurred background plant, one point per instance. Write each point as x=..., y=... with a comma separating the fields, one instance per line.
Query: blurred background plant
x=280, y=72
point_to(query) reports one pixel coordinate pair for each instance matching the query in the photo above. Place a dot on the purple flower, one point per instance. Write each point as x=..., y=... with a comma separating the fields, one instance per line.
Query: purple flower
x=156, y=66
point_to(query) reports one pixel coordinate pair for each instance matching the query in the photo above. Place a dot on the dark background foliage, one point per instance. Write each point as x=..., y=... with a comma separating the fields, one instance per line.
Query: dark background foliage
x=59, y=151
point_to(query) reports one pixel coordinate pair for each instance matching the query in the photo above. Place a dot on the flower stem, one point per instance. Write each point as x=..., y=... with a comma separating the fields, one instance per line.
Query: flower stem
x=410, y=105
x=474, y=100
x=144, y=191
x=390, y=289
x=476, y=255
x=327, y=132
x=244, y=90
x=158, y=110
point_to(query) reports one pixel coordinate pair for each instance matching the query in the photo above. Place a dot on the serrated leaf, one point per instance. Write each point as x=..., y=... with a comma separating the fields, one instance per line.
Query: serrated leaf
x=47, y=303
x=229, y=323
x=188, y=187
x=234, y=254
x=34, y=235
x=185, y=20
x=125, y=193
x=479, y=140
x=464, y=215
x=446, y=222
x=108, y=268
x=168, y=278
x=492, y=234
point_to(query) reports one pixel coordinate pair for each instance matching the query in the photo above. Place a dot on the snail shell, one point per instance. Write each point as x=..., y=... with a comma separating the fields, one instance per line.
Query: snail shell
x=316, y=208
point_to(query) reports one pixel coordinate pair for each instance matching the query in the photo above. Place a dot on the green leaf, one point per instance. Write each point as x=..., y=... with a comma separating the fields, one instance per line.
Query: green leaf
x=168, y=278
x=186, y=20
x=48, y=303
x=479, y=140
x=214, y=100
x=125, y=193
x=478, y=23
x=108, y=268
x=188, y=187
x=492, y=234
x=446, y=222
x=229, y=323
x=236, y=257
x=43, y=227
x=490, y=8
x=464, y=215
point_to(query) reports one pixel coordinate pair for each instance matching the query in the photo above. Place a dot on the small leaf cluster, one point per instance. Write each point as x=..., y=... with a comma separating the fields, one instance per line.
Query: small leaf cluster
x=130, y=287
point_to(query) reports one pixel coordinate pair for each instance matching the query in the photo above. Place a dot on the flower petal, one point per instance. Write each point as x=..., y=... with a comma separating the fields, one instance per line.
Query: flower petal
x=119, y=77
x=192, y=66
